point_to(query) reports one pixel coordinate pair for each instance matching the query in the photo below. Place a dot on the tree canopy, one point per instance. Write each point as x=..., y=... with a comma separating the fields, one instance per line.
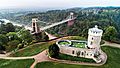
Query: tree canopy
x=110, y=33
x=54, y=51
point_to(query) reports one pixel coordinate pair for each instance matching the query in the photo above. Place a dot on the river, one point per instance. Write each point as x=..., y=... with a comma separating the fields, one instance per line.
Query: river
x=16, y=24
x=27, y=27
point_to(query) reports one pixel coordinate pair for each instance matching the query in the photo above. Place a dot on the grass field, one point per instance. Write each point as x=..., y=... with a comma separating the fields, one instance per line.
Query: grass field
x=79, y=44
x=63, y=43
x=112, y=62
x=16, y=63
x=37, y=48
x=74, y=58
x=32, y=50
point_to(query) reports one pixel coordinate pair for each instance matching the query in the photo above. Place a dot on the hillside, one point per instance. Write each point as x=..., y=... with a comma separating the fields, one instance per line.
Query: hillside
x=86, y=18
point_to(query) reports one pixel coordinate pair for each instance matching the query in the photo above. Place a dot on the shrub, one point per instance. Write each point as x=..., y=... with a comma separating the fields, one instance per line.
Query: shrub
x=20, y=46
x=12, y=45
x=54, y=51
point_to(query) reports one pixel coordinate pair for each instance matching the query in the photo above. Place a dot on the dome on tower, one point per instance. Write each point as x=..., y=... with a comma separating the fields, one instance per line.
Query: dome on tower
x=95, y=31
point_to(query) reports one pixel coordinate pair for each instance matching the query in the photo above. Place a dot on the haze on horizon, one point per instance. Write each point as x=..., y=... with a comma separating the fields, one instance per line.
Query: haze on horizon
x=7, y=4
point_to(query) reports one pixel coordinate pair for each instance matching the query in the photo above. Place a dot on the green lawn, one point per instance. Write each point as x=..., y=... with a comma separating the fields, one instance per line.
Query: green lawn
x=33, y=49
x=79, y=44
x=37, y=48
x=74, y=58
x=112, y=62
x=63, y=43
x=57, y=65
x=16, y=63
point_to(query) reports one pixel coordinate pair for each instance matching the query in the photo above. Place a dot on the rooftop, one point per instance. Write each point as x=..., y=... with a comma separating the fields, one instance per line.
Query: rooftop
x=95, y=29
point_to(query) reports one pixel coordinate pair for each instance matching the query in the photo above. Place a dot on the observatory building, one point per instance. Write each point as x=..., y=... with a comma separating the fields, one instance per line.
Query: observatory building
x=86, y=49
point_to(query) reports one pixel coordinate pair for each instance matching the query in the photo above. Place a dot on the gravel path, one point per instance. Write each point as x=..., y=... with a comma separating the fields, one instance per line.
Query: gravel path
x=41, y=57
x=16, y=58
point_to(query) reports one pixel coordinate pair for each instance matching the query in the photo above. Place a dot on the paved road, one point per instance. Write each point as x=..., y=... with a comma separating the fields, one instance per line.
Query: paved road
x=111, y=44
x=50, y=36
x=40, y=58
x=16, y=58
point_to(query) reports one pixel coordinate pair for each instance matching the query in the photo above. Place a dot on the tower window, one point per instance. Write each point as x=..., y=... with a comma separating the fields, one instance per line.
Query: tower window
x=33, y=29
x=82, y=53
x=92, y=38
x=72, y=52
x=91, y=43
x=33, y=24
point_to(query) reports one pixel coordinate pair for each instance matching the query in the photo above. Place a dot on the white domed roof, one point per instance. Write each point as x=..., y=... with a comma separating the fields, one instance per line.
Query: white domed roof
x=95, y=31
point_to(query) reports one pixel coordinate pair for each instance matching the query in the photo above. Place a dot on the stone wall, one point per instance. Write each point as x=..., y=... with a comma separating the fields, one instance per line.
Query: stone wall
x=80, y=52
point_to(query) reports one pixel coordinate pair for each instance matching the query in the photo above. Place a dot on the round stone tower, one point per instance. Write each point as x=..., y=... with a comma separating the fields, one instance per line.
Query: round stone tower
x=94, y=37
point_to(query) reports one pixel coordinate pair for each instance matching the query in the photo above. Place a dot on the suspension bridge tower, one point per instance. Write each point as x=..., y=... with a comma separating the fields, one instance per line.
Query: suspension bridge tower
x=35, y=28
x=71, y=17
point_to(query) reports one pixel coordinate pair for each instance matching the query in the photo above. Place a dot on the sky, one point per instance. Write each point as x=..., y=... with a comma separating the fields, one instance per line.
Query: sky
x=56, y=3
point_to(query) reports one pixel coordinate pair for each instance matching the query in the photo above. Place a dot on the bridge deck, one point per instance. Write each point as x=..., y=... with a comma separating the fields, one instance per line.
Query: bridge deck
x=55, y=24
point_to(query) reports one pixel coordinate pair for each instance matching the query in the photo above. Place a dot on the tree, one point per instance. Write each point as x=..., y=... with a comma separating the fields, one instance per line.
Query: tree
x=9, y=27
x=3, y=39
x=2, y=48
x=18, y=28
x=2, y=29
x=54, y=51
x=110, y=33
x=40, y=37
x=25, y=36
x=12, y=36
x=20, y=46
x=12, y=45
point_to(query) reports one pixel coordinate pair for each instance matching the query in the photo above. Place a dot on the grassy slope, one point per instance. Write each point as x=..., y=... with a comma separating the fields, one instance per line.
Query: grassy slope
x=113, y=57
x=112, y=62
x=37, y=48
x=16, y=63
x=74, y=58
x=32, y=50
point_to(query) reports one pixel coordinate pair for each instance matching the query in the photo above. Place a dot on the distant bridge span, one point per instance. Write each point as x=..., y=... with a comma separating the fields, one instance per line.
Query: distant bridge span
x=28, y=27
x=70, y=20
x=35, y=28
x=55, y=24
